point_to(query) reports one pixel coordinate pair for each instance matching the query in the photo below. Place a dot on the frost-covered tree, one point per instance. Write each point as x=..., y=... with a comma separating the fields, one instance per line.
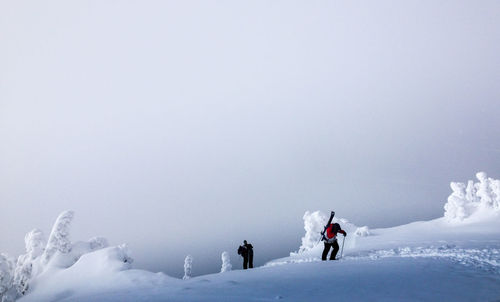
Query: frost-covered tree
x=124, y=254
x=470, y=192
x=484, y=191
x=362, y=231
x=97, y=243
x=313, y=224
x=495, y=188
x=6, y=278
x=465, y=201
x=34, y=242
x=58, y=251
x=455, y=208
x=226, y=262
x=188, y=267
x=59, y=237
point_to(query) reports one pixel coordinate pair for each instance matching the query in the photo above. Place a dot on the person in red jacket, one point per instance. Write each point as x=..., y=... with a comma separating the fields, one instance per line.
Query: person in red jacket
x=330, y=239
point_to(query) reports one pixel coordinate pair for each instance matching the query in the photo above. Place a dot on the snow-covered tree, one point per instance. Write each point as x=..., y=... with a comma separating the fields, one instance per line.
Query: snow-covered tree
x=34, y=242
x=188, y=267
x=313, y=224
x=59, y=251
x=470, y=192
x=484, y=191
x=495, y=188
x=455, y=208
x=362, y=231
x=226, y=263
x=59, y=237
x=465, y=201
x=6, y=278
x=97, y=243
x=124, y=255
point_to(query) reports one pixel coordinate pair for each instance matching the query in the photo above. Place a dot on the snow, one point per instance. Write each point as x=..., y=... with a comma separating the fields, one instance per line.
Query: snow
x=313, y=224
x=468, y=201
x=6, y=274
x=226, y=262
x=452, y=258
x=362, y=231
x=188, y=267
x=59, y=237
x=387, y=279
x=34, y=241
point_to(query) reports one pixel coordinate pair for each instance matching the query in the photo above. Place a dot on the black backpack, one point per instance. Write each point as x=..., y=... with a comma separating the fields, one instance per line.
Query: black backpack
x=336, y=228
x=242, y=250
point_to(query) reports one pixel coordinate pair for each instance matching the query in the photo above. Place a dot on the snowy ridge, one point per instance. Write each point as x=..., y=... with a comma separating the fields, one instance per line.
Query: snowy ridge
x=455, y=258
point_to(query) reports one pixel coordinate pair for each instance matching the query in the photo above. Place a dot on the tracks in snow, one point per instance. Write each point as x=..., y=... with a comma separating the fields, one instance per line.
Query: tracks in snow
x=487, y=258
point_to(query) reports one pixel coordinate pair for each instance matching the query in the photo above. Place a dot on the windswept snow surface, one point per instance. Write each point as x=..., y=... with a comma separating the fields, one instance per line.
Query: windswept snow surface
x=388, y=279
x=453, y=258
x=422, y=261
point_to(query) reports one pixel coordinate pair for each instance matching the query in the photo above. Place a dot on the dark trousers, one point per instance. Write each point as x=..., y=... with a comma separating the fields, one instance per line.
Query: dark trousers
x=327, y=249
x=245, y=262
x=250, y=260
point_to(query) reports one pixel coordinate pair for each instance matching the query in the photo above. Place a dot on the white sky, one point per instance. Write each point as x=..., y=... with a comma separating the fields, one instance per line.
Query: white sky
x=187, y=126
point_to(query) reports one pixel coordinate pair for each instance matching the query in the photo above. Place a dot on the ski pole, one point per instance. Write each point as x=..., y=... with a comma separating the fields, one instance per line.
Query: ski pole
x=342, y=251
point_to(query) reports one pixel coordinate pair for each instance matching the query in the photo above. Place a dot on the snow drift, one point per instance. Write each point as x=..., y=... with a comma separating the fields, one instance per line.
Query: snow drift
x=45, y=261
x=462, y=248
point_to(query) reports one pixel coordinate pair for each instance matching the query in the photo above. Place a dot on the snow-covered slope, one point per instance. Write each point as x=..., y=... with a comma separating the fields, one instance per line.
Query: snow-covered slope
x=454, y=258
x=387, y=279
x=422, y=261
x=470, y=242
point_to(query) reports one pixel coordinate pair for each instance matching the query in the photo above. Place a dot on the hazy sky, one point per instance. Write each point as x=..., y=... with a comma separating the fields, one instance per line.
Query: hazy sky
x=184, y=127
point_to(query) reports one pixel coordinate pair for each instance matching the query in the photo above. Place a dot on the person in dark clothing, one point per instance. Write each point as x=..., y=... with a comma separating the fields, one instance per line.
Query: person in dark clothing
x=246, y=251
x=243, y=252
x=250, y=253
x=330, y=239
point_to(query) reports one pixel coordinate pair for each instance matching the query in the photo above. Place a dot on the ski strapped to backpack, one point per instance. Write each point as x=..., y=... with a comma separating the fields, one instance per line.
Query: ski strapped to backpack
x=326, y=226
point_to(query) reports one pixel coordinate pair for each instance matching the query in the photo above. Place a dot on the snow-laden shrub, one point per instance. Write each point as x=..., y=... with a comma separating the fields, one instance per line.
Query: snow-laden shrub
x=26, y=264
x=314, y=224
x=458, y=207
x=188, y=267
x=124, y=254
x=57, y=254
x=98, y=243
x=6, y=276
x=362, y=231
x=495, y=188
x=226, y=263
x=35, y=243
x=464, y=201
x=486, y=190
x=59, y=237
x=470, y=192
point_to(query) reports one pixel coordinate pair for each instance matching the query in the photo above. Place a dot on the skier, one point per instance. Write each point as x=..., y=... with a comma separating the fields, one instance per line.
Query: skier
x=250, y=253
x=246, y=251
x=330, y=239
